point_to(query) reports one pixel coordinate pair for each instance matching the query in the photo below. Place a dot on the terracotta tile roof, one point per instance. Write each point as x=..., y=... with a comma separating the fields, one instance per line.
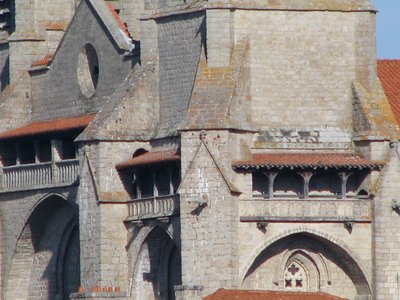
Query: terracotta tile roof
x=389, y=74
x=306, y=160
x=45, y=127
x=56, y=25
x=223, y=294
x=45, y=61
x=121, y=24
x=151, y=158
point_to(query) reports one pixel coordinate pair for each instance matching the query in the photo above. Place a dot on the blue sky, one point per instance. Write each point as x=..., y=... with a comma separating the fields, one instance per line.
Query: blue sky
x=388, y=28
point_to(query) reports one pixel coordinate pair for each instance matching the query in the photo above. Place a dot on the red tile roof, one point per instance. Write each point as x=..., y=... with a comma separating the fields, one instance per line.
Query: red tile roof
x=389, y=74
x=52, y=126
x=151, y=158
x=306, y=160
x=56, y=25
x=121, y=24
x=223, y=294
x=45, y=61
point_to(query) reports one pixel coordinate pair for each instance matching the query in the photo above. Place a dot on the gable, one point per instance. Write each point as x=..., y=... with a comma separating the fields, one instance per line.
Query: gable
x=92, y=44
x=203, y=173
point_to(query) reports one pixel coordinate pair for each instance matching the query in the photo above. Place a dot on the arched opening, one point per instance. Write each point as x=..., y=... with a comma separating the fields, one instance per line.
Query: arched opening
x=163, y=181
x=288, y=184
x=260, y=184
x=307, y=262
x=325, y=184
x=45, y=264
x=157, y=268
x=355, y=185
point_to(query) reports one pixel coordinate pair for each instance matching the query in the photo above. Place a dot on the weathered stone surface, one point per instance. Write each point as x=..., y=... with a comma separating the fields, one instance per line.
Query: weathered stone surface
x=219, y=80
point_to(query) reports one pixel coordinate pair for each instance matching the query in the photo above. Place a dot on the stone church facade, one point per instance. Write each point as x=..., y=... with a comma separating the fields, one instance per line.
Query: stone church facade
x=167, y=149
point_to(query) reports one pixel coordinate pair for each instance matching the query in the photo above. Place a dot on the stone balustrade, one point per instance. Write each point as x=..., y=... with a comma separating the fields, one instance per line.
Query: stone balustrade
x=39, y=174
x=314, y=209
x=67, y=171
x=154, y=207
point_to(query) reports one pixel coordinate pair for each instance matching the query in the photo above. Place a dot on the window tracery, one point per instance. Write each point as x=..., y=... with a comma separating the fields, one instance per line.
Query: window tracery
x=295, y=277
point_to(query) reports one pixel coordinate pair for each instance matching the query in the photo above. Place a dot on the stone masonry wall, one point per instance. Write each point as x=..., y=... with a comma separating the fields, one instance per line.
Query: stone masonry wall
x=109, y=154
x=51, y=11
x=386, y=233
x=208, y=233
x=130, y=12
x=302, y=64
x=89, y=228
x=113, y=261
x=4, y=66
x=24, y=50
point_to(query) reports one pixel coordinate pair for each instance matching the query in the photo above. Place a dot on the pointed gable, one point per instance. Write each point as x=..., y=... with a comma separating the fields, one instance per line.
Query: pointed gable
x=89, y=64
x=203, y=173
x=113, y=23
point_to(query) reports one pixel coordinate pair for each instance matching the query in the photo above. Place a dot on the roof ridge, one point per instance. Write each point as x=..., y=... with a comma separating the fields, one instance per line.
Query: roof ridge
x=388, y=60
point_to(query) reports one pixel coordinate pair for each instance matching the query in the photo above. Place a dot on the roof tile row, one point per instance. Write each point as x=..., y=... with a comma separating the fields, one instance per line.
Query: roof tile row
x=306, y=160
x=223, y=294
x=150, y=158
x=46, y=127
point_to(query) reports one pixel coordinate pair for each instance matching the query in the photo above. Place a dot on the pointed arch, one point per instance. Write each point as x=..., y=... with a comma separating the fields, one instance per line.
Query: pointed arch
x=326, y=244
x=45, y=237
x=157, y=264
x=312, y=261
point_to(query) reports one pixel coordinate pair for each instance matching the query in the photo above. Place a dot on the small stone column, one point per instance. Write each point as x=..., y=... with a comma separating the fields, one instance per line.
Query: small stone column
x=343, y=178
x=271, y=178
x=306, y=176
x=56, y=148
x=188, y=292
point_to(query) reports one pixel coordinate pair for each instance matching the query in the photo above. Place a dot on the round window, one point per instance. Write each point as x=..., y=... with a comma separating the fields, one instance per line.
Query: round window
x=88, y=70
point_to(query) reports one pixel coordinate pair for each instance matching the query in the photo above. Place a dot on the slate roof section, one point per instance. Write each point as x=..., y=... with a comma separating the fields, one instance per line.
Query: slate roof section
x=46, y=127
x=223, y=294
x=126, y=103
x=151, y=158
x=389, y=74
x=306, y=161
